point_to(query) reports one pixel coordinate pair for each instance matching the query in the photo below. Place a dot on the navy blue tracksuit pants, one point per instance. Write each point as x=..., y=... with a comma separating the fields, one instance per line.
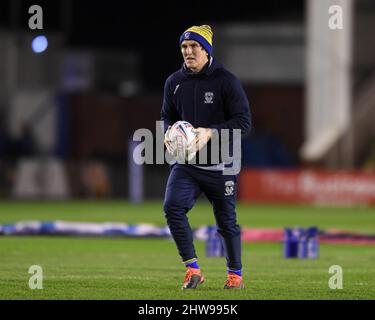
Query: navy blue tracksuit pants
x=184, y=186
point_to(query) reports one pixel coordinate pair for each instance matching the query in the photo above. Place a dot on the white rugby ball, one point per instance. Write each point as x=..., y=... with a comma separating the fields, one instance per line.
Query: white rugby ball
x=182, y=134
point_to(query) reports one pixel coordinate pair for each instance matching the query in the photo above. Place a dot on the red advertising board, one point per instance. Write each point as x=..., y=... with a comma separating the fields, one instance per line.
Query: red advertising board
x=307, y=186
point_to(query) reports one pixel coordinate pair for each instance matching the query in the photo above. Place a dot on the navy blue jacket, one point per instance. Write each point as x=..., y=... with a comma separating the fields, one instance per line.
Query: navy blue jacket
x=213, y=98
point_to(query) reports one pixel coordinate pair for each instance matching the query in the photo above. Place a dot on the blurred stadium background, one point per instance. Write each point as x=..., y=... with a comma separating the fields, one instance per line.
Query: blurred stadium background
x=67, y=116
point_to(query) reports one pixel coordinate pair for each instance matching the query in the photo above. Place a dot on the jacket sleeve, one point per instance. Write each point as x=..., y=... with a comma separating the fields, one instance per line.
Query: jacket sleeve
x=236, y=108
x=168, y=111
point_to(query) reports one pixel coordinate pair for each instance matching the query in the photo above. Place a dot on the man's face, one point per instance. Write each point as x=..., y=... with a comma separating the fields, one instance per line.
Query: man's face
x=195, y=56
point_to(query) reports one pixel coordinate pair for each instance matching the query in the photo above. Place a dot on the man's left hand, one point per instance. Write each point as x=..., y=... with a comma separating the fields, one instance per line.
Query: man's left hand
x=203, y=135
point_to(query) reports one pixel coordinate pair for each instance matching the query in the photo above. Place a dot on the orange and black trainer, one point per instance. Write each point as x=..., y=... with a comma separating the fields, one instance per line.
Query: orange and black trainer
x=234, y=282
x=193, y=277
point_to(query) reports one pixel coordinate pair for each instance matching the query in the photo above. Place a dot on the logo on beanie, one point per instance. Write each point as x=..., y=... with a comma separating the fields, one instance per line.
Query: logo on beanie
x=187, y=35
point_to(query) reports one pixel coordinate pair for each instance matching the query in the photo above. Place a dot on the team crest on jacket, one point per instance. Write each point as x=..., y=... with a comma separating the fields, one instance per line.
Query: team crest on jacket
x=229, y=188
x=209, y=97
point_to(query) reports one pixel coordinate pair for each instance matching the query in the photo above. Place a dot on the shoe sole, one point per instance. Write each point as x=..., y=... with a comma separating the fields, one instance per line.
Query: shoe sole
x=242, y=286
x=194, y=281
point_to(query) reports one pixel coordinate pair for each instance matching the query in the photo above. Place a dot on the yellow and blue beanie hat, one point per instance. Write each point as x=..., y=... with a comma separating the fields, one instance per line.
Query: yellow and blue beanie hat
x=202, y=34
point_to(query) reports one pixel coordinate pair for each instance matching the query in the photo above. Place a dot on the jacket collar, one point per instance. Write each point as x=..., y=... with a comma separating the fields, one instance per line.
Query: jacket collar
x=209, y=67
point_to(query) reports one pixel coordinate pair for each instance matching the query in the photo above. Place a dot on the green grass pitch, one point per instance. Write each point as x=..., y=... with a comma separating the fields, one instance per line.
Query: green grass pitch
x=124, y=268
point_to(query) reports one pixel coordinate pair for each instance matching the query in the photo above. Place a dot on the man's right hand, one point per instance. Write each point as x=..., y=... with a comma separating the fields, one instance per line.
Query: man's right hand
x=169, y=144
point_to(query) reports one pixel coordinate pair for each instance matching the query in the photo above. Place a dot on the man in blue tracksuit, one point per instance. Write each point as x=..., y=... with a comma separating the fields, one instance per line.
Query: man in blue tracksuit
x=203, y=93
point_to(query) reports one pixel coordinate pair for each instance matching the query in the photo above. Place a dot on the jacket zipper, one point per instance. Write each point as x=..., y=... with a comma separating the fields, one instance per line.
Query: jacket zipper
x=195, y=103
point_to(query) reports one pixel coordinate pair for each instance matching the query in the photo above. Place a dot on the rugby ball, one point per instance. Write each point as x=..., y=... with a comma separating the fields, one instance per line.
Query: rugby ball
x=182, y=134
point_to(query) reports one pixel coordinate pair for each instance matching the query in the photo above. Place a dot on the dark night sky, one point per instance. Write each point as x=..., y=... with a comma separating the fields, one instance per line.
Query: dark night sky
x=151, y=27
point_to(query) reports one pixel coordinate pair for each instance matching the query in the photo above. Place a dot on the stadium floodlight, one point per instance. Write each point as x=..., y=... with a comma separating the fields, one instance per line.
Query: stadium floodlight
x=39, y=44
